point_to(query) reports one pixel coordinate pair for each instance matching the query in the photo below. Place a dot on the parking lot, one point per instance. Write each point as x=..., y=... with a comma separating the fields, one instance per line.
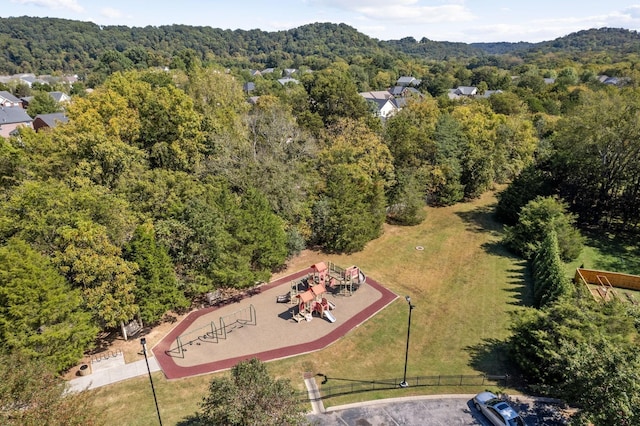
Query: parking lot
x=434, y=410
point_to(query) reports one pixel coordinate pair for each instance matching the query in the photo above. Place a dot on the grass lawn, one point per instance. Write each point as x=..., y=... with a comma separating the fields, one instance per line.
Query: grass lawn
x=464, y=286
x=607, y=252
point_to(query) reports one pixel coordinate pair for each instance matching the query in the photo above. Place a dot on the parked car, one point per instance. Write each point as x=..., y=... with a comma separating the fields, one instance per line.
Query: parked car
x=496, y=410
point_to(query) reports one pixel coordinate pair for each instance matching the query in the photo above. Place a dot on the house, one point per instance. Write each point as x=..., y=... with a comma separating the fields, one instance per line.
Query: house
x=385, y=103
x=462, y=92
x=255, y=73
x=8, y=100
x=408, y=81
x=11, y=118
x=249, y=86
x=404, y=91
x=267, y=71
x=489, y=93
x=29, y=79
x=60, y=97
x=289, y=71
x=49, y=121
x=285, y=80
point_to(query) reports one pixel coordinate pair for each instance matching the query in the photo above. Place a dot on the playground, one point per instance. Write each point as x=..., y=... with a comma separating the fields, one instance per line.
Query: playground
x=300, y=313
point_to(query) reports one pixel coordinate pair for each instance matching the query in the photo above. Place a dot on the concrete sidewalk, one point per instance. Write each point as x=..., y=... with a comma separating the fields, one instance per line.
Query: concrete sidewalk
x=110, y=371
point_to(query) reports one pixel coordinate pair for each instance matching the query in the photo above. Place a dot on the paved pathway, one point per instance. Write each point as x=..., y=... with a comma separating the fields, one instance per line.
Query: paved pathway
x=112, y=370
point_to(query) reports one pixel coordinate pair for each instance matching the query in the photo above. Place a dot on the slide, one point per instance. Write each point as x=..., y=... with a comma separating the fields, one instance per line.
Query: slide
x=328, y=315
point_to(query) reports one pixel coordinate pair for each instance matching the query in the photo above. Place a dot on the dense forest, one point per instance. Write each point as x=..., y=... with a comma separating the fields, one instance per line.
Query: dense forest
x=50, y=45
x=167, y=183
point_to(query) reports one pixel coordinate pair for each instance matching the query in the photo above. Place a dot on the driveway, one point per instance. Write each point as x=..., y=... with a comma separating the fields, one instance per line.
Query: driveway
x=433, y=410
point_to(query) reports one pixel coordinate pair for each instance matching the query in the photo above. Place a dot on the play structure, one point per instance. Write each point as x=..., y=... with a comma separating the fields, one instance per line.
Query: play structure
x=338, y=280
x=309, y=293
x=312, y=301
x=212, y=332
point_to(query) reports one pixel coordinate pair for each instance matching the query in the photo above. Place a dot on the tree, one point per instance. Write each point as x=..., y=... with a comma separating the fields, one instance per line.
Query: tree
x=333, y=96
x=351, y=211
x=407, y=200
x=93, y=263
x=156, y=290
x=250, y=397
x=42, y=103
x=597, y=147
x=478, y=124
x=357, y=169
x=532, y=182
x=549, y=280
x=32, y=394
x=538, y=218
x=40, y=314
x=583, y=353
x=410, y=134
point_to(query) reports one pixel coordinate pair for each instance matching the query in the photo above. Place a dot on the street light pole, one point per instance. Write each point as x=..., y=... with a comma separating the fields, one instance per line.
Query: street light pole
x=143, y=342
x=404, y=383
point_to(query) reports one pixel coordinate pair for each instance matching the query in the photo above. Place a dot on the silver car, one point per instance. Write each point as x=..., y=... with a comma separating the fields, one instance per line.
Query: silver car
x=496, y=410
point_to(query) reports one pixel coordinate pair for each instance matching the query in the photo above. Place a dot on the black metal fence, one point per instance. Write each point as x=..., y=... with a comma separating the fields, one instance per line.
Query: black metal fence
x=349, y=386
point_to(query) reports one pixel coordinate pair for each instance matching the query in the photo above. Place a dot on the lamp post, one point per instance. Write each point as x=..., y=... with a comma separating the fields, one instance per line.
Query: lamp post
x=403, y=383
x=143, y=342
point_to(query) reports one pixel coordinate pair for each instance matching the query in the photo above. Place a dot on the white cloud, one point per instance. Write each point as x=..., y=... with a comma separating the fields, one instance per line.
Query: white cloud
x=418, y=15
x=111, y=13
x=54, y=4
x=406, y=12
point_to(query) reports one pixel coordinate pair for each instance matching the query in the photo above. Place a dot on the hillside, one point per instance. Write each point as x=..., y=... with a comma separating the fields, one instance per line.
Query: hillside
x=48, y=45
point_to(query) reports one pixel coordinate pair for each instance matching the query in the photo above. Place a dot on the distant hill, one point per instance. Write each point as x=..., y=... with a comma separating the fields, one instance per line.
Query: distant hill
x=47, y=45
x=617, y=40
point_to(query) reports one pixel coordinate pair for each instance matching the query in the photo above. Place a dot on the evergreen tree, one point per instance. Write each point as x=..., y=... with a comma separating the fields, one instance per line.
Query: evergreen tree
x=40, y=314
x=157, y=289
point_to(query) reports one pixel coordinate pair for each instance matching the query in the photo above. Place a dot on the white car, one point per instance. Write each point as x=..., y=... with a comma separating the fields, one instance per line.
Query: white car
x=496, y=410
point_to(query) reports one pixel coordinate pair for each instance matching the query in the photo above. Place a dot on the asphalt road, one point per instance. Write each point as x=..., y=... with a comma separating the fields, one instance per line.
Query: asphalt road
x=442, y=410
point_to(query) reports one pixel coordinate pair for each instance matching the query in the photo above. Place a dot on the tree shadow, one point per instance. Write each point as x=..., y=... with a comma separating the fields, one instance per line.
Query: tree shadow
x=482, y=220
x=192, y=420
x=621, y=252
x=491, y=356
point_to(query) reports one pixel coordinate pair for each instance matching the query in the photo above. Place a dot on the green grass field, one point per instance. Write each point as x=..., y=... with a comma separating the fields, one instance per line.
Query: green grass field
x=464, y=285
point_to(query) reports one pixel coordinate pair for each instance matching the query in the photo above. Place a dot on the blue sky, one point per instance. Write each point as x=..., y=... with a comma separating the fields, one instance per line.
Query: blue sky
x=442, y=20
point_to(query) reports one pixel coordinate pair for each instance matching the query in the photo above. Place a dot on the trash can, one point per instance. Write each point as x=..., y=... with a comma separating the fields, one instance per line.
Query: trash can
x=85, y=370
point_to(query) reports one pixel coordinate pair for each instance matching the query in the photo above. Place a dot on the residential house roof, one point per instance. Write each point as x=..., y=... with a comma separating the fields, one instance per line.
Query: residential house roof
x=268, y=70
x=49, y=120
x=378, y=94
x=488, y=93
x=286, y=80
x=289, y=71
x=408, y=81
x=386, y=103
x=249, y=86
x=7, y=99
x=462, y=91
x=12, y=115
x=60, y=97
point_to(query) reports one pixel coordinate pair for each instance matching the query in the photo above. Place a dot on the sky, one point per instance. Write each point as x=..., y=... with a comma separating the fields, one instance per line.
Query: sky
x=465, y=21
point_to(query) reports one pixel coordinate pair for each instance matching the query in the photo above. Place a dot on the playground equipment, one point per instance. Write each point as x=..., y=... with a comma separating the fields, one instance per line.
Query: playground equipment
x=341, y=281
x=214, y=332
x=312, y=301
